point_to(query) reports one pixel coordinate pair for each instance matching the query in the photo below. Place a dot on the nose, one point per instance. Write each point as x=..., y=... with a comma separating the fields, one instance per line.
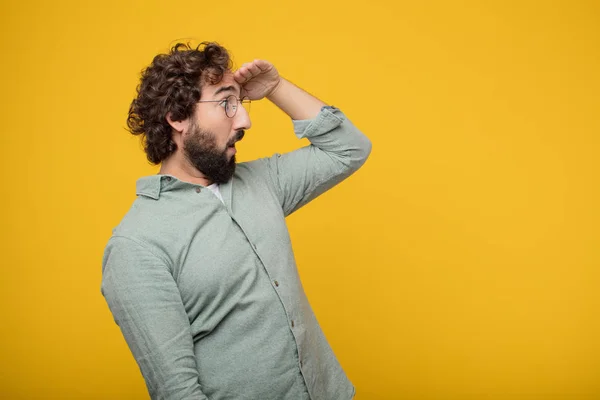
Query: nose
x=241, y=119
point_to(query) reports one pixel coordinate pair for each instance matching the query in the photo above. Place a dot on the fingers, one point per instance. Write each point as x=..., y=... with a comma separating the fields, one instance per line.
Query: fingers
x=251, y=69
x=245, y=73
x=263, y=65
x=242, y=75
x=256, y=67
x=239, y=78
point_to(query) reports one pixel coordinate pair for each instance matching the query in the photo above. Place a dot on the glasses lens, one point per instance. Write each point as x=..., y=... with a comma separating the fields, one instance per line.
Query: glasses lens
x=231, y=106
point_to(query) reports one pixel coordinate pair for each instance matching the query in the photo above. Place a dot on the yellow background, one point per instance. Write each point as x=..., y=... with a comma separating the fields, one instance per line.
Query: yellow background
x=462, y=261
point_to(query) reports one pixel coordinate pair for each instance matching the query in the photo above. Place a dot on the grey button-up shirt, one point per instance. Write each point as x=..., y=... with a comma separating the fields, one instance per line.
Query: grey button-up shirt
x=207, y=294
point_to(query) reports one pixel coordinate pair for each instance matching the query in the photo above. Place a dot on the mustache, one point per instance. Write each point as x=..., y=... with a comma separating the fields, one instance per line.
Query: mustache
x=239, y=135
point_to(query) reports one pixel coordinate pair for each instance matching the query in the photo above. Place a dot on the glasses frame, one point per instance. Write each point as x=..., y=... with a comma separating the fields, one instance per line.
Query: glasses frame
x=228, y=99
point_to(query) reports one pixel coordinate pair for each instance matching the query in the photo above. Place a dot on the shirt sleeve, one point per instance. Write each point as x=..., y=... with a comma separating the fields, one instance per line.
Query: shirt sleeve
x=146, y=304
x=337, y=149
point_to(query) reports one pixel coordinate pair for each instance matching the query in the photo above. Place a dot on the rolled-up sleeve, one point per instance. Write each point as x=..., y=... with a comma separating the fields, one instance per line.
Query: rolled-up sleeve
x=146, y=304
x=337, y=149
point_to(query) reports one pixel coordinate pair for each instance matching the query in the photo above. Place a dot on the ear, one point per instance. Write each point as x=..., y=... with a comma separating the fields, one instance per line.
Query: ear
x=179, y=126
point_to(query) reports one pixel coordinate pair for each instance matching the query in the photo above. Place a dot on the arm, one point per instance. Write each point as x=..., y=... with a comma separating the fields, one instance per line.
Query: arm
x=336, y=151
x=295, y=102
x=146, y=304
x=337, y=148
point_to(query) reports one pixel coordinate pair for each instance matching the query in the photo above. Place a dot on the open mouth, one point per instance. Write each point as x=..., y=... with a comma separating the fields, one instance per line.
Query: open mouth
x=239, y=135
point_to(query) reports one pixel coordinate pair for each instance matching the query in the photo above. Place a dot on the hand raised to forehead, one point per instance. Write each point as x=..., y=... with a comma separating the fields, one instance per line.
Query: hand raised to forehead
x=258, y=79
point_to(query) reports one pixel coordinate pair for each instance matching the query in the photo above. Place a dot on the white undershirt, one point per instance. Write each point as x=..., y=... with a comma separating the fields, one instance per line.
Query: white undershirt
x=215, y=189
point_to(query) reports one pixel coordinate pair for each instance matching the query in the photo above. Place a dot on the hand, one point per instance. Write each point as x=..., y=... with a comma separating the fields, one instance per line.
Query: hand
x=258, y=79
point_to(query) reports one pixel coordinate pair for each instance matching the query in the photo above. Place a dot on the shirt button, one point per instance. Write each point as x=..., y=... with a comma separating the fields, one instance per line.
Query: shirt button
x=276, y=283
x=198, y=190
x=300, y=363
x=168, y=179
x=292, y=323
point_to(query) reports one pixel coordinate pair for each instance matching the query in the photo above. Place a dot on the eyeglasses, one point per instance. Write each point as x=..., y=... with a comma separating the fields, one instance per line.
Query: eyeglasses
x=230, y=104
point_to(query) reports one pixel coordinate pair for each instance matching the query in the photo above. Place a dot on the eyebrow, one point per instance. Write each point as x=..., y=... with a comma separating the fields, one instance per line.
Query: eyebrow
x=225, y=89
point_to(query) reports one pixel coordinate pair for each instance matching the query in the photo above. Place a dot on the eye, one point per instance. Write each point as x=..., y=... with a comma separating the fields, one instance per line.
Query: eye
x=224, y=103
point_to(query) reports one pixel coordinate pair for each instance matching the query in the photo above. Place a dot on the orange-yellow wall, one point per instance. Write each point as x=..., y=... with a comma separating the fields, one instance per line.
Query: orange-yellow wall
x=462, y=262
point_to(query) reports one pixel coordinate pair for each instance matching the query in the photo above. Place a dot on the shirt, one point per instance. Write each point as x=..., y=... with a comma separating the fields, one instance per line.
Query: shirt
x=207, y=293
x=215, y=189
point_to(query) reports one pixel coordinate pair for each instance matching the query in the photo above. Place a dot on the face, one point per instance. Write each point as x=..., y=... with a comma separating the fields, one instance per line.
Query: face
x=209, y=144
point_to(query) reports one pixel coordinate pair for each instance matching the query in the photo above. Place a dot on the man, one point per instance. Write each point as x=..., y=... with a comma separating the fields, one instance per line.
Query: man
x=200, y=275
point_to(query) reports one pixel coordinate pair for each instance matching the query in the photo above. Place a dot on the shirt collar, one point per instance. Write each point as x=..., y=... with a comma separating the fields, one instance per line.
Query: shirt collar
x=150, y=186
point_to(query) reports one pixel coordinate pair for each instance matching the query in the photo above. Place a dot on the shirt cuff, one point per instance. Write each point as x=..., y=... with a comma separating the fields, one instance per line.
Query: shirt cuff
x=328, y=118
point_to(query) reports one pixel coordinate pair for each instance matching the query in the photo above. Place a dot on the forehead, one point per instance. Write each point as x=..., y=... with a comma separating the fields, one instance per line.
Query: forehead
x=227, y=86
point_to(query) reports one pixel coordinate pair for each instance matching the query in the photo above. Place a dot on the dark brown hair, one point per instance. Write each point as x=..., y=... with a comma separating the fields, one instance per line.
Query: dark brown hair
x=173, y=83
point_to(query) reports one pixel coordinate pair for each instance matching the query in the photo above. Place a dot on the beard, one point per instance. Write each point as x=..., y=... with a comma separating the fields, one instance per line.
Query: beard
x=200, y=149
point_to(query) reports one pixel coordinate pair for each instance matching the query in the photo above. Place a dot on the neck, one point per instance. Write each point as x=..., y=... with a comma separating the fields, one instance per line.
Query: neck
x=176, y=165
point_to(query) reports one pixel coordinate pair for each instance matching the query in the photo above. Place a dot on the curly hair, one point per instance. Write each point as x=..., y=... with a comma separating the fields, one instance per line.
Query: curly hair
x=173, y=83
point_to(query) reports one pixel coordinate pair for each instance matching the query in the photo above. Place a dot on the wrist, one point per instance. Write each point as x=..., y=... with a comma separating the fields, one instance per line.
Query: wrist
x=276, y=89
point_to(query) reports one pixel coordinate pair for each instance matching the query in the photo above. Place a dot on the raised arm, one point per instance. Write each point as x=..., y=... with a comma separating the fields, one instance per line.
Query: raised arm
x=337, y=147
